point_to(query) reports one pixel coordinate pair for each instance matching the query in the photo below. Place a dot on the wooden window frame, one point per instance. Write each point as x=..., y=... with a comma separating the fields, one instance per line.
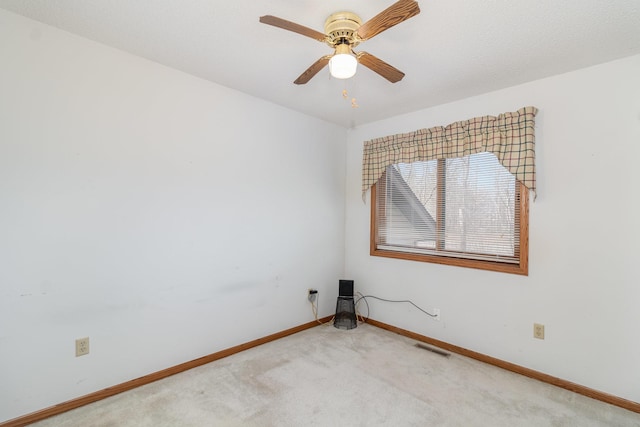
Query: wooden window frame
x=521, y=268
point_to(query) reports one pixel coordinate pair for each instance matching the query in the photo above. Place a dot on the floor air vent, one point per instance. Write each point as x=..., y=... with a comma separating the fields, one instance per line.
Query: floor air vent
x=433, y=350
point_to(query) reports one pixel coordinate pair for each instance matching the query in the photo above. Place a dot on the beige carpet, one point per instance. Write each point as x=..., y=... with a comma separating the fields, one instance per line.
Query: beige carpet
x=362, y=377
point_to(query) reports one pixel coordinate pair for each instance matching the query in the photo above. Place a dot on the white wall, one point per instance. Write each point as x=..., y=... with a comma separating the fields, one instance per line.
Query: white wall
x=584, y=281
x=161, y=215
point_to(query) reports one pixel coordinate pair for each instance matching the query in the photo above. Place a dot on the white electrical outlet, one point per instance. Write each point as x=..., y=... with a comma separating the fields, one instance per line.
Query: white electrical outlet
x=538, y=331
x=436, y=314
x=82, y=346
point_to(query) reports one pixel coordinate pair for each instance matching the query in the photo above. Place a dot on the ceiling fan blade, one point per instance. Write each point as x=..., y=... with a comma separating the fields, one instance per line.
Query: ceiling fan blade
x=379, y=66
x=292, y=26
x=393, y=15
x=313, y=70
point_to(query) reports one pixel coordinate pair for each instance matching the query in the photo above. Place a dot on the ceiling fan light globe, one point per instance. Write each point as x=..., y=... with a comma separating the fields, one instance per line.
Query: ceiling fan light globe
x=343, y=66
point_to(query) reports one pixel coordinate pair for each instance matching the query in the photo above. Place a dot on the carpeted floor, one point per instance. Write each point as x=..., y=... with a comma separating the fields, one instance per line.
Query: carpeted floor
x=362, y=377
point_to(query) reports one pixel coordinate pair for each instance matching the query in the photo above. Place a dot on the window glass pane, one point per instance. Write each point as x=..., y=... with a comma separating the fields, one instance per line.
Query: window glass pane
x=410, y=205
x=480, y=196
x=422, y=177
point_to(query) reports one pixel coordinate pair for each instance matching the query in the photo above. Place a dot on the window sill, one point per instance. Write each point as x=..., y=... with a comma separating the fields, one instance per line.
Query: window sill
x=521, y=269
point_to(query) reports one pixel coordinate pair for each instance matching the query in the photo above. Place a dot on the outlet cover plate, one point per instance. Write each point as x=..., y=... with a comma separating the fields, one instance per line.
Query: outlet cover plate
x=538, y=331
x=82, y=346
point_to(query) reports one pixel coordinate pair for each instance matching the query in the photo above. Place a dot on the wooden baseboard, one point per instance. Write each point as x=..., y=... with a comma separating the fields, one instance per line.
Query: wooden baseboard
x=577, y=388
x=111, y=391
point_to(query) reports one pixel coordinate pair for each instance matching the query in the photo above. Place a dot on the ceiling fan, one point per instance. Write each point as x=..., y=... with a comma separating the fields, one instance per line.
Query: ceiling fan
x=343, y=31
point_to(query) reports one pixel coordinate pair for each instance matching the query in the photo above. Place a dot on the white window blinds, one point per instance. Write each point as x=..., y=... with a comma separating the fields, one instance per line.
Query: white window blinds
x=464, y=207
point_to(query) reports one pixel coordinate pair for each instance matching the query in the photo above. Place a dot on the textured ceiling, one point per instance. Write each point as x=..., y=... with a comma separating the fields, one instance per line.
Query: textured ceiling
x=453, y=49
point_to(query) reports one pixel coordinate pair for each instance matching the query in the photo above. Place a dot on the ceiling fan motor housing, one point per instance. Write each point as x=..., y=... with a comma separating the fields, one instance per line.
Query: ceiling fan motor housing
x=341, y=27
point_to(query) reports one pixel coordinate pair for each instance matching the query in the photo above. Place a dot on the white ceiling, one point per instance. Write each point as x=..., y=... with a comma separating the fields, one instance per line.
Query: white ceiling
x=452, y=50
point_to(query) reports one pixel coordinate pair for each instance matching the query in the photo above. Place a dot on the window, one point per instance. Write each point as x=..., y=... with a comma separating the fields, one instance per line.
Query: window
x=466, y=211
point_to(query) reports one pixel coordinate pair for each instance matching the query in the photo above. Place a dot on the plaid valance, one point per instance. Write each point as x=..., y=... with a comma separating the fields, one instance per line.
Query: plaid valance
x=510, y=136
